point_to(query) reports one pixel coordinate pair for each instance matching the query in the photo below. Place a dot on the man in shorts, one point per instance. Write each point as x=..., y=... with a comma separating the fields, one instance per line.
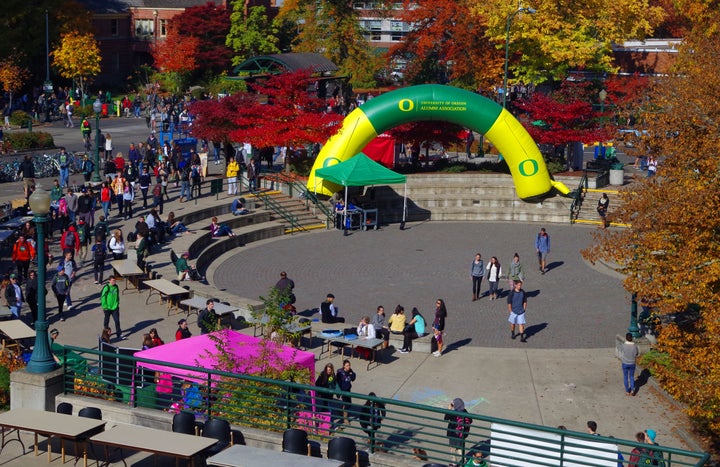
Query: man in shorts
x=517, y=304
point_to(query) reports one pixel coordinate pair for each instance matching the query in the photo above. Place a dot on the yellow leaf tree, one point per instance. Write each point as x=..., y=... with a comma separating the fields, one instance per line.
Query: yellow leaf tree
x=77, y=57
x=12, y=76
x=671, y=252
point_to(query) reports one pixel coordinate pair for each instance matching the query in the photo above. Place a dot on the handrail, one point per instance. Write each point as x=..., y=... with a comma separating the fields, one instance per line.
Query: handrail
x=274, y=405
x=578, y=197
x=278, y=209
x=310, y=197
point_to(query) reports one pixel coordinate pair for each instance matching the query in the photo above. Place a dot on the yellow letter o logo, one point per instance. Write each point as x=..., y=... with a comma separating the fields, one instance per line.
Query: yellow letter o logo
x=406, y=105
x=534, y=167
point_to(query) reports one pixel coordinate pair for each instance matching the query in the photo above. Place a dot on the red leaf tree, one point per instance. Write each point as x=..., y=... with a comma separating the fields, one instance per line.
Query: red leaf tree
x=210, y=24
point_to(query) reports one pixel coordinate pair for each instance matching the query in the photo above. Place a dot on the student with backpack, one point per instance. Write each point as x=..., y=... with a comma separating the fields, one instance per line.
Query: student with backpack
x=99, y=253
x=458, y=428
x=70, y=241
x=83, y=232
x=70, y=267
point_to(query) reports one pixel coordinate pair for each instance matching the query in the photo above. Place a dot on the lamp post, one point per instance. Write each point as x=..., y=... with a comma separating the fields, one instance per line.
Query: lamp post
x=633, y=328
x=602, y=95
x=510, y=17
x=97, y=108
x=41, y=360
x=155, y=27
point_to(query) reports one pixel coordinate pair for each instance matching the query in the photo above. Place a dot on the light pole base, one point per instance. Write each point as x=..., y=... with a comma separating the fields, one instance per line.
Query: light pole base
x=41, y=360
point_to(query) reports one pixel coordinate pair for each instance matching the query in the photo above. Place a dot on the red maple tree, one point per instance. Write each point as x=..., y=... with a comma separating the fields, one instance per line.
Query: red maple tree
x=210, y=24
x=176, y=54
x=281, y=111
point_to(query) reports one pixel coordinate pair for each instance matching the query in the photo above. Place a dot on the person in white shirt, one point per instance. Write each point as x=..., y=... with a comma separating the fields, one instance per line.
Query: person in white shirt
x=494, y=272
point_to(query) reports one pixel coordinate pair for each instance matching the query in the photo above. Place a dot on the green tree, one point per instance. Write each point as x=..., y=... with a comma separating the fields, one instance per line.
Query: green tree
x=252, y=34
x=334, y=29
x=563, y=36
x=671, y=251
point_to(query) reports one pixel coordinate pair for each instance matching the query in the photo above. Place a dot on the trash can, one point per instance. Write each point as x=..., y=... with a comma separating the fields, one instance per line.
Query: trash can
x=216, y=186
x=617, y=174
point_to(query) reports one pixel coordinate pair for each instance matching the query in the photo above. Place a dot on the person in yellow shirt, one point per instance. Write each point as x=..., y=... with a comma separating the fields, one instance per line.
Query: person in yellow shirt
x=231, y=172
x=397, y=320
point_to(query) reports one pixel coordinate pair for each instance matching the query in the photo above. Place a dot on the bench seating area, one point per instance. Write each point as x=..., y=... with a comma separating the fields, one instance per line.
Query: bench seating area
x=204, y=249
x=421, y=344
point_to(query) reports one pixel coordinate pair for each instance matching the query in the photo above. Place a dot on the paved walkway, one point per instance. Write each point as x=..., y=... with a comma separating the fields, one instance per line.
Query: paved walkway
x=566, y=374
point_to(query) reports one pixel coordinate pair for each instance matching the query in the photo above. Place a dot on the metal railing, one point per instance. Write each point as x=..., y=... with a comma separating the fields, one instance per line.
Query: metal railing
x=402, y=428
x=277, y=208
x=311, y=199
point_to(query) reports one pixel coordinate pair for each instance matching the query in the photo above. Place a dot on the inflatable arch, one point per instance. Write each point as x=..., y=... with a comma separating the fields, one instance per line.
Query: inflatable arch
x=441, y=103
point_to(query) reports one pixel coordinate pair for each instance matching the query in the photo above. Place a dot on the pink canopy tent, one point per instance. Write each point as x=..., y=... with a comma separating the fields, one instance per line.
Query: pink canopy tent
x=201, y=352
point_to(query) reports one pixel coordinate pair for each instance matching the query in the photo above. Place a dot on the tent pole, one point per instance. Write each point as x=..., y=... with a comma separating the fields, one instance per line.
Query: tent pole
x=345, y=226
x=402, y=223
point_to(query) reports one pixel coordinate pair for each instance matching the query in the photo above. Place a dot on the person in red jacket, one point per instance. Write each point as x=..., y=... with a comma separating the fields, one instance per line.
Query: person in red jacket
x=70, y=241
x=23, y=252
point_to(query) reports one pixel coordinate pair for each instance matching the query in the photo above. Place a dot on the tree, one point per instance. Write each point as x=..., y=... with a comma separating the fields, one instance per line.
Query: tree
x=563, y=116
x=12, y=76
x=447, y=44
x=250, y=35
x=671, y=252
x=176, y=56
x=210, y=23
x=278, y=112
x=562, y=36
x=77, y=57
x=333, y=28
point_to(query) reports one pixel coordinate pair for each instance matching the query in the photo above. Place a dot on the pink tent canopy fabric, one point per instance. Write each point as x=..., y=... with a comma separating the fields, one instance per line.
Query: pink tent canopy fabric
x=201, y=352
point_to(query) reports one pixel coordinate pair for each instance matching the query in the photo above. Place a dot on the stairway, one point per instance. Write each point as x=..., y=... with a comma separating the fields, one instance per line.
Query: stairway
x=304, y=215
x=587, y=214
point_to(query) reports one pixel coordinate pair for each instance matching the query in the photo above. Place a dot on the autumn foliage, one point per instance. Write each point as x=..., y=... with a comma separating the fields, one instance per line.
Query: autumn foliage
x=279, y=112
x=77, y=57
x=671, y=252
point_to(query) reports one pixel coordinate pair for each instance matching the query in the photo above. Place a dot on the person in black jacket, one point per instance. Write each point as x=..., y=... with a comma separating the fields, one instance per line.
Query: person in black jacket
x=207, y=319
x=27, y=172
x=371, y=417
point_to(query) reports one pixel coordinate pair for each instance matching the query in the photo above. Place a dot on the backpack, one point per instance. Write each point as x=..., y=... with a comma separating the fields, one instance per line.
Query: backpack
x=462, y=426
x=195, y=172
x=69, y=239
x=157, y=191
x=81, y=234
x=99, y=252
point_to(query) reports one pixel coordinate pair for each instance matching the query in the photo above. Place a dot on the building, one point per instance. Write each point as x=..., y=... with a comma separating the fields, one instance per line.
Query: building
x=127, y=29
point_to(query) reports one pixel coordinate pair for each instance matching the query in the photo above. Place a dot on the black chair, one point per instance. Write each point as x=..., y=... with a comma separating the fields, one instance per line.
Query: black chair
x=434, y=465
x=236, y=437
x=184, y=422
x=173, y=257
x=64, y=408
x=295, y=441
x=344, y=450
x=220, y=430
x=90, y=412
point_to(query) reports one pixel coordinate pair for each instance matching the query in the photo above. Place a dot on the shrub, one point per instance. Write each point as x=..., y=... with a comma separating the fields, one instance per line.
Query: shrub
x=20, y=118
x=9, y=362
x=455, y=168
x=555, y=167
x=29, y=140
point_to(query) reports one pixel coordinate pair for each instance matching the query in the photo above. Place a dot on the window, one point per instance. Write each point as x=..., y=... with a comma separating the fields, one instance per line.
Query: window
x=144, y=27
x=375, y=30
x=359, y=5
x=396, y=30
x=163, y=28
x=113, y=27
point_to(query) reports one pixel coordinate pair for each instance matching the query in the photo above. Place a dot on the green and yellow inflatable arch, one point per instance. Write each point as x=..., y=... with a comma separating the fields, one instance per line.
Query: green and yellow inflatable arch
x=441, y=103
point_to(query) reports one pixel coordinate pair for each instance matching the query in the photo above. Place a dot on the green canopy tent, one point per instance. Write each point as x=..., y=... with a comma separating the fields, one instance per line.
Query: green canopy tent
x=360, y=170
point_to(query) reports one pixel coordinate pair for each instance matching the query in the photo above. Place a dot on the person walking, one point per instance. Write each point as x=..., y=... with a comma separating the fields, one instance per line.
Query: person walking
x=110, y=303
x=628, y=356
x=207, y=319
x=22, y=253
x=99, y=253
x=60, y=287
x=31, y=291
x=542, y=246
x=231, y=172
x=602, y=207
x=477, y=272
x=458, y=428
x=494, y=272
x=516, y=270
x=14, y=296
x=517, y=305
x=70, y=267
x=182, y=331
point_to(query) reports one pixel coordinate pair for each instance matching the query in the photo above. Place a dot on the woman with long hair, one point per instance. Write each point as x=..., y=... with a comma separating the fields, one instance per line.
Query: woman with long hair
x=440, y=315
x=117, y=244
x=494, y=272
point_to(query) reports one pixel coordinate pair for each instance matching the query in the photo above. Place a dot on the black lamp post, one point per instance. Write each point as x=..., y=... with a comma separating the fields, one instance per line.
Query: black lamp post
x=510, y=17
x=97, y=108
x=41, y=360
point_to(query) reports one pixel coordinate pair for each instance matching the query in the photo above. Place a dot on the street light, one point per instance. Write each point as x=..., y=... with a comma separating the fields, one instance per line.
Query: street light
x=41, y=360
x=510, y=17
x=97, y=108
x=602, y=95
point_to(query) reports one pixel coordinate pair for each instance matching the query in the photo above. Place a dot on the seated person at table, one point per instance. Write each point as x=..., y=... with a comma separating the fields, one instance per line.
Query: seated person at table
x=220, y=230
x=397, y=320
x=186, y=272
x=365, y=330
x=329, y=311
x=238, y=207
x=414, y=329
